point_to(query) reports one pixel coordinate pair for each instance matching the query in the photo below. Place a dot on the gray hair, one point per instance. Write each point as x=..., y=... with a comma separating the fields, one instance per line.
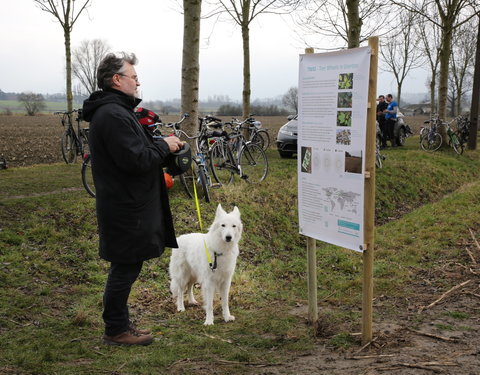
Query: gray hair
x=113, y=64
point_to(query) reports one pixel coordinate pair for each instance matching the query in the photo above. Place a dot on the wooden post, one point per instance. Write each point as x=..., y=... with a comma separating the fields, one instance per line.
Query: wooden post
x=312, y=268
x=369, y=214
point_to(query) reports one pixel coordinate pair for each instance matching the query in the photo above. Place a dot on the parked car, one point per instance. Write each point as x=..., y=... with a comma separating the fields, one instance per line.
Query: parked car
x=287, y=138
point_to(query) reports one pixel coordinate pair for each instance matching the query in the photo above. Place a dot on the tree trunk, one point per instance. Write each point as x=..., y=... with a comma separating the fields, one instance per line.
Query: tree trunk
x=354, y=23
x=432, y=93
x=246, y=60
x=190, y=62
x=399, y=95
x=445, y=52
x=68, y=60
x=475, y=106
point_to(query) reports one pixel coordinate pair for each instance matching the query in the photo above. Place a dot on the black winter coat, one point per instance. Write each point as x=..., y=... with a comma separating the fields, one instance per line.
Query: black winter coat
x=133, y=212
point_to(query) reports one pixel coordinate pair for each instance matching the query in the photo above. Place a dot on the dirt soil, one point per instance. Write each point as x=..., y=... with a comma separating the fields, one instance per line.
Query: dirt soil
x=417, y=339
x=441, y=339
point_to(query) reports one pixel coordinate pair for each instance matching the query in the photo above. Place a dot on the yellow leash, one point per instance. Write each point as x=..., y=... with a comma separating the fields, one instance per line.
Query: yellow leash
x=197, y=204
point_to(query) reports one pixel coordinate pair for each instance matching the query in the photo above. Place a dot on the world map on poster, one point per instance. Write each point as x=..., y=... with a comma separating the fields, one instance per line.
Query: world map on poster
x=347, y=201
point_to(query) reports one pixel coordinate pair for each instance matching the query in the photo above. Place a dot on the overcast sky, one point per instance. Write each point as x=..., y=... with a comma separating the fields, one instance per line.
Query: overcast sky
x=32, y=52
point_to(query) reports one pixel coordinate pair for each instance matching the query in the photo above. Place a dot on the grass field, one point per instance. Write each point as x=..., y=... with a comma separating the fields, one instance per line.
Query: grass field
x=52, y=279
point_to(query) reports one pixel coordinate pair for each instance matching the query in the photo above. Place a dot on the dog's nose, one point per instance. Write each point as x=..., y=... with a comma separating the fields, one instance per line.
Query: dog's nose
x=228, y=238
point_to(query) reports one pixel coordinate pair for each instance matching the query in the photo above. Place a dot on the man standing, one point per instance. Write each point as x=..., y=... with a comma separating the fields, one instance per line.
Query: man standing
x=133, y=212
x=381, y=106
x=391, y=118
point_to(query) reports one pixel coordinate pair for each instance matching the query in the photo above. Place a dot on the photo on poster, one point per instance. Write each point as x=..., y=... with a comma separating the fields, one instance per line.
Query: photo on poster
x=306, y=158
x=353, y=162
x=344, y=118
x=345, y=100
x=344, y=137
x=345, y=81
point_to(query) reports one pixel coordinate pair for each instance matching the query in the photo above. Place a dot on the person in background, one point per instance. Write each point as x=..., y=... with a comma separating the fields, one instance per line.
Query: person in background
x=381, y=106
x=133, y=212
x=391, y=118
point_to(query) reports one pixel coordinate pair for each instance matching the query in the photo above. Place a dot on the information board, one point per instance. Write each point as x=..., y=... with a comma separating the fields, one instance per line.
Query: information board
x=332, y=120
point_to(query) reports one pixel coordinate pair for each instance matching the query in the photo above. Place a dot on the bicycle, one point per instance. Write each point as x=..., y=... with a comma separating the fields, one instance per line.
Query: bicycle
x=453, y=139
x=231, y=154
x=463, y=129
x=87, y=178
x=256, y=133
x=430, y=138
x=379, y=158
x=198, y=178
x=73, y=142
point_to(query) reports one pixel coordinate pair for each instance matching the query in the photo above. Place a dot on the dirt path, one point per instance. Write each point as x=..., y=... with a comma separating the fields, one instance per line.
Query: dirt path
x=441, y=339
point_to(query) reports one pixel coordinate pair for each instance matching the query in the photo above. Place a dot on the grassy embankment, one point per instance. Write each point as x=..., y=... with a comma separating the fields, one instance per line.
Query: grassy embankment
x=52, y=279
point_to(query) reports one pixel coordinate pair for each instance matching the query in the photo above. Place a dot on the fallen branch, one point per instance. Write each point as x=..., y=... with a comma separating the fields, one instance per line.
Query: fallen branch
x=471, y=255
x=218, y=338
x=474, y=239
x=255, y=364
x=432, y=335
x=444, y=295
x=366, y=345
x=473, y=294
x=372, y=356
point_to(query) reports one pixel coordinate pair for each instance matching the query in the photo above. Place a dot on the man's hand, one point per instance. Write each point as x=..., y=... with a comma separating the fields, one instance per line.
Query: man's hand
x=174, y=143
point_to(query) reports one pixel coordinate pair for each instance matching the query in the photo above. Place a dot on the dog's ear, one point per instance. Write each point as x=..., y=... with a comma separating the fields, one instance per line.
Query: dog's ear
x=236, y=211
x=220, y=210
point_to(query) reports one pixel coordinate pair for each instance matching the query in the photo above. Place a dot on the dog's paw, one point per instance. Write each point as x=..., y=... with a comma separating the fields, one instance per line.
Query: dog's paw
x=180, y=309
x=193, y=303
x=229, y=318
x=208, y=322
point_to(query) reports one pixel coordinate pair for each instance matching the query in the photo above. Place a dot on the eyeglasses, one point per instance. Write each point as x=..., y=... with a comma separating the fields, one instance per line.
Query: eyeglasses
x=135, y=78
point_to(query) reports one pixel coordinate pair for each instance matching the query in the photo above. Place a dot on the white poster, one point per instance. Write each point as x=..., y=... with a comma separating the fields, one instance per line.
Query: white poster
x=332, y=118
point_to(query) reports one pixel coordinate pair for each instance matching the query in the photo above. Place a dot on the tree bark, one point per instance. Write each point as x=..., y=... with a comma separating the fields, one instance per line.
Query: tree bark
x=68, y=61
x=190, y=62
x=246, y=58
x=354, y=23
x=475, y=107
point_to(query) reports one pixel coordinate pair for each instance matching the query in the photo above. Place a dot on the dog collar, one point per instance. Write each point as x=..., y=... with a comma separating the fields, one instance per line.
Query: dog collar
x=214, y=265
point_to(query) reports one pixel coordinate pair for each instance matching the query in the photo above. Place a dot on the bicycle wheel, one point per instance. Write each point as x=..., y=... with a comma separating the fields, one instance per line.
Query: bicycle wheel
x=253, y=163
x=261, y=138
x=456, y=144
x=202, y=177
x=431, y=141
x=68, y=146
x=87, y=178
x=196, y=175
x=185, y=180
x=219, y=163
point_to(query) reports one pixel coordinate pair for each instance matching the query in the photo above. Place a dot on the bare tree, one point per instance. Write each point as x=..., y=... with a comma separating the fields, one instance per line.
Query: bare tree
x=352, y=21
x=243, y=12
x=431, y=44
x=190, y=60
x=33, y=103
x=67, y=13
x=462, y=62
x=451, y=15
x=85, y=62
x=290, y=99
x=400, y=53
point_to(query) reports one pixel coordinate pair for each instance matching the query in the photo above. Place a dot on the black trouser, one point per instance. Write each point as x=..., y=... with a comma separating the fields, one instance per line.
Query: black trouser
x=390, y=130
x=383, y=128
x=119, y=283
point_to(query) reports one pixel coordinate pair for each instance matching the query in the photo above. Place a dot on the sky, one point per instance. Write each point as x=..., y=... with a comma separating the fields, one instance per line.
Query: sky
x=32, y=51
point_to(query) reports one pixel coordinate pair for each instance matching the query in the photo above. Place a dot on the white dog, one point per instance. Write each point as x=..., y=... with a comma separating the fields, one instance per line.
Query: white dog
x=189, y=264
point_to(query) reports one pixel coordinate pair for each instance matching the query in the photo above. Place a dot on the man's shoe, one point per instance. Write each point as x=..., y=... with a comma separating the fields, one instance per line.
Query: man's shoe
x=137, y=331
x=127, y=338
